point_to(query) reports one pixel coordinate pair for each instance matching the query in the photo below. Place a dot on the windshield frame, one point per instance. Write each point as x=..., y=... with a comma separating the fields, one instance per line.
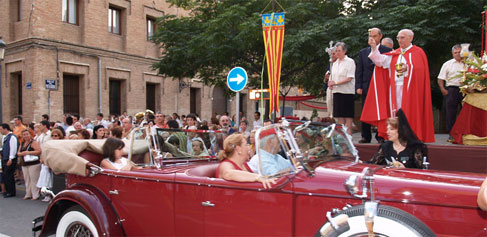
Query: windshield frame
x=286, y=134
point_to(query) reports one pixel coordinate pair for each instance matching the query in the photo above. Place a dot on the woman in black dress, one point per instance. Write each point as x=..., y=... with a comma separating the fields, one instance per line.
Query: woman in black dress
x=403, y=148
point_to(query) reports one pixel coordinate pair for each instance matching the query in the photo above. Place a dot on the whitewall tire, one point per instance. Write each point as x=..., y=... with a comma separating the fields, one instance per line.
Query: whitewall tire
x=390, y=221
x=76, y=223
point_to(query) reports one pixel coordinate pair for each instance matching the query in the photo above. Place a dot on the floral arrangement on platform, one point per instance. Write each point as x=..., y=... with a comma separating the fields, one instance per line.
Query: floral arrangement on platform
x=474, y=77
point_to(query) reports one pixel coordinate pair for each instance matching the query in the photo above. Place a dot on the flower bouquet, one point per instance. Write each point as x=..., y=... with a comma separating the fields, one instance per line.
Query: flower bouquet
x=474, y=78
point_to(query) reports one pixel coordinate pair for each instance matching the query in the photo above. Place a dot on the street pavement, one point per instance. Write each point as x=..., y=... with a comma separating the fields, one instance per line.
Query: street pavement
x=16, y=214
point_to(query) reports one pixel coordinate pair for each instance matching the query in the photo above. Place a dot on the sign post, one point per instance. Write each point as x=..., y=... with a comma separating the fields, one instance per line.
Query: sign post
x=236, y=81
x=50, y=85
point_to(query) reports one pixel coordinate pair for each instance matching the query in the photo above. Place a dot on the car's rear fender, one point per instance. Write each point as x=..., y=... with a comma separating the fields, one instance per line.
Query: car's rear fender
x=96, y=205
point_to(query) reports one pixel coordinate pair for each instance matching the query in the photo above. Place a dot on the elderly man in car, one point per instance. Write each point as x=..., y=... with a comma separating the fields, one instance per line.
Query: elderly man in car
x=271, y=162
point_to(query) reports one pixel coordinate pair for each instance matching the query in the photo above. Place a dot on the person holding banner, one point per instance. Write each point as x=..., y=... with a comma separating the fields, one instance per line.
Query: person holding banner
x=342, y=84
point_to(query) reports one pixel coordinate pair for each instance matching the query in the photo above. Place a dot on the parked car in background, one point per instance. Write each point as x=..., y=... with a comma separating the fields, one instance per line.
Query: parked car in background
x=325, y=190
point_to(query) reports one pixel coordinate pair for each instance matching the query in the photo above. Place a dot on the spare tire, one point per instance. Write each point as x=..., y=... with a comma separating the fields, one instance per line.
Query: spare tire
x=390, y=221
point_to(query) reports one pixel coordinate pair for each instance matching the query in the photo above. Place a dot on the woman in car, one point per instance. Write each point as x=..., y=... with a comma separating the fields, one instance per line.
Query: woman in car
x=112, y=150
x=98, y=132
x=233, y=162
x=403, y=148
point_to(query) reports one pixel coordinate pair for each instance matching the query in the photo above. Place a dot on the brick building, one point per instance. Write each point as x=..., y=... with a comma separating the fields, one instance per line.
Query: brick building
x=100, y=56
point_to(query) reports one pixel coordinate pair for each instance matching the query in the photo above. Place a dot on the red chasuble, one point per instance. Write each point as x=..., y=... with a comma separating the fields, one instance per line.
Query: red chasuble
x=380, y=103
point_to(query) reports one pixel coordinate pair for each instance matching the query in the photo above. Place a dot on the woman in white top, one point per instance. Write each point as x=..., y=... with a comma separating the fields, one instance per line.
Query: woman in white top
x=112, y=150
x=342, y=84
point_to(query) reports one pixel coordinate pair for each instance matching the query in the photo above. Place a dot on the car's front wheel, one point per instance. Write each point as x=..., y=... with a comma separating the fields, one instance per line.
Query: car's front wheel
x=389, y=221
x=75, y=222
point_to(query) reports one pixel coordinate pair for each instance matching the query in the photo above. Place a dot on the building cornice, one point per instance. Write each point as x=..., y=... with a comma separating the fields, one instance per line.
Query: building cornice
x=13, y=47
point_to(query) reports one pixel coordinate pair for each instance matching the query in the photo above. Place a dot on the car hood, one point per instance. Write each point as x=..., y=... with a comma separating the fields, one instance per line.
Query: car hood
x=432, y=187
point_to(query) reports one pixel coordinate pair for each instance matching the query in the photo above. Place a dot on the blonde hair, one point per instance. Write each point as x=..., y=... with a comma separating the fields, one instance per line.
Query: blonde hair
x=229, y=145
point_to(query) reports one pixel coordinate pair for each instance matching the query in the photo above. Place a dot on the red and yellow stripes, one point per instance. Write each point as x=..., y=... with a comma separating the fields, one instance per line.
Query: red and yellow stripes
x=273, y=41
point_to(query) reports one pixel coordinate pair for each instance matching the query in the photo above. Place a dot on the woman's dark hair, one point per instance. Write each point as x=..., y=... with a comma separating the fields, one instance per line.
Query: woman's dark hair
x=109, y=147
x=96, y=129
x=405, y=134
x=61, y=129
x=83, y=133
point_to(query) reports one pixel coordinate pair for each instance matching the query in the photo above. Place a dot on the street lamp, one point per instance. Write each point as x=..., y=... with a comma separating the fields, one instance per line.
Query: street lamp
x=2, y=56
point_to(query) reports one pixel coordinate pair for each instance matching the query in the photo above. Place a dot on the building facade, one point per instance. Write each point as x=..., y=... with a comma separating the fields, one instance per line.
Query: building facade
x=99, y=57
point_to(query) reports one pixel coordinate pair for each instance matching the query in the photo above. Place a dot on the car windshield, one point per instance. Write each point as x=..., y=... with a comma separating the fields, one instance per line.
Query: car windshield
x=271, y=152
x=321, y=140
x=147, y=144
x=282, y=148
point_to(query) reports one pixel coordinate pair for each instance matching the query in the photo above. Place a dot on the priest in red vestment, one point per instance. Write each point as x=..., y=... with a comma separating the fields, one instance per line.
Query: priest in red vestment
x=400, y=80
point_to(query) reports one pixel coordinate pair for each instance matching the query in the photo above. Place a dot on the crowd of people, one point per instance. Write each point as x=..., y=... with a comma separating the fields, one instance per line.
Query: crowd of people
x=22, y=143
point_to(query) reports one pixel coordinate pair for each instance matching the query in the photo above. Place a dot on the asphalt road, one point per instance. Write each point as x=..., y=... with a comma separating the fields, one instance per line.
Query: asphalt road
x=16, y=214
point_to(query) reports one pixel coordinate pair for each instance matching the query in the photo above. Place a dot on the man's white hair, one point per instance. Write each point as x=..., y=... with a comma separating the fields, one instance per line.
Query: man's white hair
x=408, y=32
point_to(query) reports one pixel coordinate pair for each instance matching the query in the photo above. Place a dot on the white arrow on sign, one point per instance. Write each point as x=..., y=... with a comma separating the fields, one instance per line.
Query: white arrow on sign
x=238, y=79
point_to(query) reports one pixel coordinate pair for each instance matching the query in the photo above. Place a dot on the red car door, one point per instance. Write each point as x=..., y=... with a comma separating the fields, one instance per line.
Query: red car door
x=144, y=201
x=189, y=216
x=246, y=209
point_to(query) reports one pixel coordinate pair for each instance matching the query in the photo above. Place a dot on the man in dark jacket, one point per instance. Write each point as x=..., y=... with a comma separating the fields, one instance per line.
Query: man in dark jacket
x=10, y=145
x=363, y=74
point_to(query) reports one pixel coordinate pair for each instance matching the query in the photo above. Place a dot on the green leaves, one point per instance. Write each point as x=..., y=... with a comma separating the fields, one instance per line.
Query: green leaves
x=219, y=35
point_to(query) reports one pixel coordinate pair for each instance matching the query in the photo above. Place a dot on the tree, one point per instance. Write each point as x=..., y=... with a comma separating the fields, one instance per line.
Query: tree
x=218, y=35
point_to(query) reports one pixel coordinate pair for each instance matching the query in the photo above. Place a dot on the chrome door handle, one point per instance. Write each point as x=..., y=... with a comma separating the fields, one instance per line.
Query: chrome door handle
x=113, y=192
x=207, y=204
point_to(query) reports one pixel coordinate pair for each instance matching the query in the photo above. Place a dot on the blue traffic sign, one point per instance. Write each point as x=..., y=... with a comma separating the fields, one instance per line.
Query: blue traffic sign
x=237, y=79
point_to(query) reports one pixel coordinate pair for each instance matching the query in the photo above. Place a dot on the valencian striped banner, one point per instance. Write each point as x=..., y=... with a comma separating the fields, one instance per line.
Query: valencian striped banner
x=273, y=30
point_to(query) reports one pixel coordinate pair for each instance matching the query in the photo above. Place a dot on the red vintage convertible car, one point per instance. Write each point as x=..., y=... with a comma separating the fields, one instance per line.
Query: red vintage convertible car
x=324, y=191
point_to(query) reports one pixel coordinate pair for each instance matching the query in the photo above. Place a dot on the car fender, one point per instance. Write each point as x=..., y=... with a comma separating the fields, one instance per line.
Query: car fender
x=96, y=205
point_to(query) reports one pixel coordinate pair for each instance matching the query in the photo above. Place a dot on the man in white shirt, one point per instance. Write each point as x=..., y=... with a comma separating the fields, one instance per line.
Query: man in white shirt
x=70, y=127
x=101, y=121
x=257, y=122
x=45, y=132
x=452, y=90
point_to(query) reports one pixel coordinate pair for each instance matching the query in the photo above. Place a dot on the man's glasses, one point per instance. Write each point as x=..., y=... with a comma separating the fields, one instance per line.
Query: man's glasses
x=54, y=135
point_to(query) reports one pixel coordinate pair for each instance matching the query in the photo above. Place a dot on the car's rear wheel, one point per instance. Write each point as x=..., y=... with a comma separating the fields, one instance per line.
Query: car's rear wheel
x=389, y=221
x=75, y=222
